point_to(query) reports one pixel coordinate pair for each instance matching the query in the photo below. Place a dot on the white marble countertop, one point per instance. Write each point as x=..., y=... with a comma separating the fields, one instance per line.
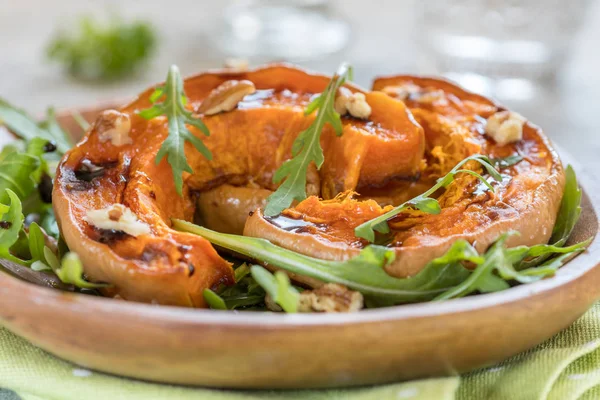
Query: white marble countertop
x=383, y=41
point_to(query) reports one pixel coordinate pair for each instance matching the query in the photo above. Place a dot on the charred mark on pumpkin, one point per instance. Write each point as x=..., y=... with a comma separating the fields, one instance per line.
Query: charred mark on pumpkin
x=108, y=236
x=87, y=170
x=293, y=225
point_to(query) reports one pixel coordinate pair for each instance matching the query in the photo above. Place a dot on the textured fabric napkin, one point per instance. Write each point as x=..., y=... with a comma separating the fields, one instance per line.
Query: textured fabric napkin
x=567, y=367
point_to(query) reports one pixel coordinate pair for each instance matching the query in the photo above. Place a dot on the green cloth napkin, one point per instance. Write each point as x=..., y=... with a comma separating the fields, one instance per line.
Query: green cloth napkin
x=567, y=367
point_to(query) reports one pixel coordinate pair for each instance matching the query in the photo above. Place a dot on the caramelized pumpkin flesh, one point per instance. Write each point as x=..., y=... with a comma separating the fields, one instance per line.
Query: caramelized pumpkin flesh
x=248, y=144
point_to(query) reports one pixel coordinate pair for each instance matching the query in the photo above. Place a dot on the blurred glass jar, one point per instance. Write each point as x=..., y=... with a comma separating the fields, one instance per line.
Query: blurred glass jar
x=502, y=48
x=281, y=30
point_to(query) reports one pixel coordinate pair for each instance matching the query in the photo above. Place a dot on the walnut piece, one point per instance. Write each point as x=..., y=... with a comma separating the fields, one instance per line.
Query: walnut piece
x=114, y=126
x=330, y=297
x=402, y=92
x=505, y=127
x=119, y=218
x=226, y=97
x=354, y=104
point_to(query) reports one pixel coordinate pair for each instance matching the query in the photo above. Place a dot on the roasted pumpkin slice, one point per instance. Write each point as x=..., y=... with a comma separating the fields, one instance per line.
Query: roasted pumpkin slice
x=114, y=204
x=456, y=124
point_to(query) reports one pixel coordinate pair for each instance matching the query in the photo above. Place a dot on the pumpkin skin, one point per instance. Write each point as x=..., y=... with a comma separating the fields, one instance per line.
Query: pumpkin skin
x=248, y=145
x=453, y=119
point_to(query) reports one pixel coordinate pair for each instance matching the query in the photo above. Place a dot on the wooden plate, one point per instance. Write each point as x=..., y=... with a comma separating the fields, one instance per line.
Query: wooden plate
x=264, y=350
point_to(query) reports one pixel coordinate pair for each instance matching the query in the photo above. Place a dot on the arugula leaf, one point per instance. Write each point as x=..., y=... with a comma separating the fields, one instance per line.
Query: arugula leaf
x=214, y=301
x=27, y=128
x=11, y=223
x=307, y=147
x=569, y=211
x=37, y=243
x=423, y=201
x=104, y=52
x=173, y=107
x=278, y=286
x=502, y=260
x=71, y=272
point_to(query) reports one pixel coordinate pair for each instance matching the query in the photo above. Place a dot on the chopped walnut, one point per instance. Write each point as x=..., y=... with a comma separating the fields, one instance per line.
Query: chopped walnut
x=410, y=91
x=114, y=126
x=401, y=92
x=505, y=127
x=226, y=97
x=119, y=218
x=354, y=104
x=330, y=297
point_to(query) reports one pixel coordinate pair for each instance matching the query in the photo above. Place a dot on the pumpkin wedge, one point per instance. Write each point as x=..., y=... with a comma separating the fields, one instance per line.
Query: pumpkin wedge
x=114, y=204
x=456, y=124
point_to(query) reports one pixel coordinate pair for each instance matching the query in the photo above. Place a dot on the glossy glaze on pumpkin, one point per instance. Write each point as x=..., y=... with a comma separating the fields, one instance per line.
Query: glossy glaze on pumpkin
x=248, y=145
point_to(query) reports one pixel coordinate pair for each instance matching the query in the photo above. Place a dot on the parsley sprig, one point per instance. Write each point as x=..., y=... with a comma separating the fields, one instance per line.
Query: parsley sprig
x=173, y=107
x=423, y=201
x=307, y=147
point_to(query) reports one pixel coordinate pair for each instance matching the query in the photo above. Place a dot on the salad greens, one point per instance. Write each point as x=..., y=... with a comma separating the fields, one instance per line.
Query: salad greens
x=103, y=52
x=173, y=107
x=443, y=278
x=27, y=224
x=307, y=147
x=252, y=284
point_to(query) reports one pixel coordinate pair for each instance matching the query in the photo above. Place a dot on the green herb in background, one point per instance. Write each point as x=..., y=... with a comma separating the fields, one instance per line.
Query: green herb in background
x=173, y=107
x=307, y=147
x=103, y=51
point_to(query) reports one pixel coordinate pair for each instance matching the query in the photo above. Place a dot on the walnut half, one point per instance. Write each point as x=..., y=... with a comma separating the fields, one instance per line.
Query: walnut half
x=354, y=104
x=114, y=126
x=505, y=127
x=226, y=97
x=119, y=218
x=330, y=297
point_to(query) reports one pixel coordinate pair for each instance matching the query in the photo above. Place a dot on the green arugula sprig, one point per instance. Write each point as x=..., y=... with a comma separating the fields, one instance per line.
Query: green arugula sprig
x=307, y=147
x=423, y=201
x=173, y=107
x=277, y=286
